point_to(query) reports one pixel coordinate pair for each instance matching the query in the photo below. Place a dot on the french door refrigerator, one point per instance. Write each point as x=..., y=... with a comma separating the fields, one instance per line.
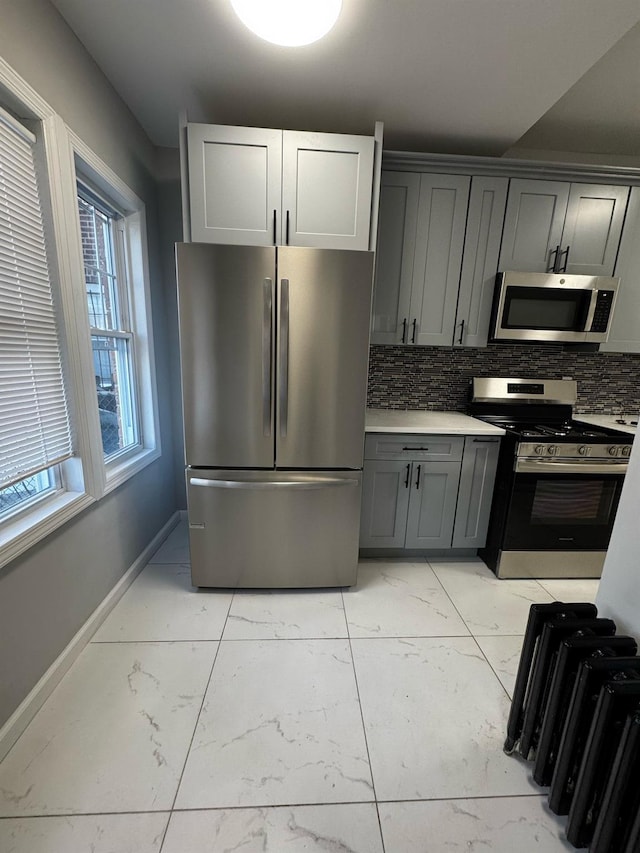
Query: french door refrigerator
x=274, y=352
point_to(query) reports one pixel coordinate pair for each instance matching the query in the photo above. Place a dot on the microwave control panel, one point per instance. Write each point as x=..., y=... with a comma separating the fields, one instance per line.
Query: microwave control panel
x=604, y=303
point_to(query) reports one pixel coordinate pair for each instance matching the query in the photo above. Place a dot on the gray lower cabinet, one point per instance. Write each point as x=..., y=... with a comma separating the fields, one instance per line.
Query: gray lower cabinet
x=477, y=480
x=427, y=492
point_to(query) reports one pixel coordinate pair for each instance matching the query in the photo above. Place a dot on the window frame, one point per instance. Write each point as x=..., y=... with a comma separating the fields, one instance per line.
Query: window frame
x=22, y=530
x=87, y=168
x=84, y=478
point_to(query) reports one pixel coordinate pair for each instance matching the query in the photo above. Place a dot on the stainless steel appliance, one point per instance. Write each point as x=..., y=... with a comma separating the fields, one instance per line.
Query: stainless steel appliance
x=558, y=481
x=553, y=308
x=274, y=351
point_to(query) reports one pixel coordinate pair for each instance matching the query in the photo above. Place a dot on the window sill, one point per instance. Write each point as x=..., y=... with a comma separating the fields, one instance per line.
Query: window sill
x=18, y=536
x=120, y=470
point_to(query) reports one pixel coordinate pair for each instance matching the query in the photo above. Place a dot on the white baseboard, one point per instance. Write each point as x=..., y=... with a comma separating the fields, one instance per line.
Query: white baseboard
x=31, y=704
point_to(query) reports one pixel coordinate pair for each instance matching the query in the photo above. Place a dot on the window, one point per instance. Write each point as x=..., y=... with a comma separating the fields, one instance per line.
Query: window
x=119, y=384
x=102, y=231
x=34, y=421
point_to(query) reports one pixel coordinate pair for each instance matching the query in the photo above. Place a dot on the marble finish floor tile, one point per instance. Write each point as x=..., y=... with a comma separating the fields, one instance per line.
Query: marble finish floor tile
x=175, y=548
x=503, y=653
x=161, y=604
x=108, y=833
x=435, y=716
x=280, y=725
x=349, y=828
x=503, y=825
x=394, y=599
x=114, y=734
x=571, y=589
x=489, y=605
x=286, y=614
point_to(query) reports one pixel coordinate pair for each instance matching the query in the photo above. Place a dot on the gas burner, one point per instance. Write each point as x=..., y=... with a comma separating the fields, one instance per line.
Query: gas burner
x=555, y=431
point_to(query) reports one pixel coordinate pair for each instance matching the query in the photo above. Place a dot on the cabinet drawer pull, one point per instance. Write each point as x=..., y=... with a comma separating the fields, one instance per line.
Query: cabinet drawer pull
x=406, y=482
x=415, y=448
x=418, y=477
x=486, y=440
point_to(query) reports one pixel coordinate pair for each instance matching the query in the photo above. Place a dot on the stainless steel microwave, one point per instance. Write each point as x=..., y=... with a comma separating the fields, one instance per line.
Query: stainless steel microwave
x=556, y=308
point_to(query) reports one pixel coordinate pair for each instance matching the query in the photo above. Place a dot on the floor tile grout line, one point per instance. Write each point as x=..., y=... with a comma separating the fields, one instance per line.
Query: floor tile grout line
x=474, y=637
x=195, y=728
x=169, y=812
x=364, y=730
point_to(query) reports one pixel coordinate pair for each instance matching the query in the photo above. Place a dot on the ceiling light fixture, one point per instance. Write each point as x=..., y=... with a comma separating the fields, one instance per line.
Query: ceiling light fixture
x=290, y=23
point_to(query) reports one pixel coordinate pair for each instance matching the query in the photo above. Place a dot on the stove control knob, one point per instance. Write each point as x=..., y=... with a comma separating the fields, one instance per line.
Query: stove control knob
x=613, y=450
x=552, y=450
x=626, y=451
x=584, y=449
x=539, y=449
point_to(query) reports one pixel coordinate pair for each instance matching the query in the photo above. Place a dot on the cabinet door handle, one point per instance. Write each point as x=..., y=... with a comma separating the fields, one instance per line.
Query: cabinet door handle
x=566, y=259
x=287, y=229
x=406, y=482
x=554, y=254
x=274, y=228
x=413, y=333
x=461, y=332
x=418, y=477
x=404, y=331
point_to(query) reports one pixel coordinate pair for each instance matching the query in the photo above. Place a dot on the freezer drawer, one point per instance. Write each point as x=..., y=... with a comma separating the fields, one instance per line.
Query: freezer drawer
x=273, y=529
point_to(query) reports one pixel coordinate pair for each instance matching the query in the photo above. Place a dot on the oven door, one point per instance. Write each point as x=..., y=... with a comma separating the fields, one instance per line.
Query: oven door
x=561, y=505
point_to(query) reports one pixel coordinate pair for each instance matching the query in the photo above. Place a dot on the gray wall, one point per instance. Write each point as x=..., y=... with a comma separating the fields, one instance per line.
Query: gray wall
x=619, y=590
x=48, y=593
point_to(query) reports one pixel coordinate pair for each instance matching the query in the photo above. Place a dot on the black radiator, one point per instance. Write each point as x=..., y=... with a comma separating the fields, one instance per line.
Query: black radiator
x=576, y=714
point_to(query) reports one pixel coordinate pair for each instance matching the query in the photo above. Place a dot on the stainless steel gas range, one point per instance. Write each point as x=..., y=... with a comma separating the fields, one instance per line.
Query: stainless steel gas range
x=558, y=482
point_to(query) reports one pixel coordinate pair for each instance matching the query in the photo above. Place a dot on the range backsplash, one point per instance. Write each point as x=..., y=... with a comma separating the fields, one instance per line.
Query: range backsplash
x=437, y=378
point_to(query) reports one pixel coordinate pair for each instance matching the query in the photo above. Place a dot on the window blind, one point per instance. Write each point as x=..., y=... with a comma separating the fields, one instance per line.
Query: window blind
x=34, y=421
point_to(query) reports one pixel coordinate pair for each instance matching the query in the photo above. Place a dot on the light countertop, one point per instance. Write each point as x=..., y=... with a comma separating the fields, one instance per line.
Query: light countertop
x=424, y=423
x=609, y=421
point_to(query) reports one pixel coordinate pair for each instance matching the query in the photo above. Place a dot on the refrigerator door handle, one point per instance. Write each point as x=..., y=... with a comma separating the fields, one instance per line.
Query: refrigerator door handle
x=310, y=483
x=267, y=332
x=284, y=356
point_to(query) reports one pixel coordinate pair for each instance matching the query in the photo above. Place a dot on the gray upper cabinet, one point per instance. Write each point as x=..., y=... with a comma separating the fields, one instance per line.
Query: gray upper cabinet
x=399, y=193
x=438, y=247
x=556, y=226
x=442, y=214
x=625, y=328
x=265, y=187
x=487, y=204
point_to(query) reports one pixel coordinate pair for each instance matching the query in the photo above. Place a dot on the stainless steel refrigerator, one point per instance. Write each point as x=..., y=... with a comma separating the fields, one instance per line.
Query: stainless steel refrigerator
x=274, y=351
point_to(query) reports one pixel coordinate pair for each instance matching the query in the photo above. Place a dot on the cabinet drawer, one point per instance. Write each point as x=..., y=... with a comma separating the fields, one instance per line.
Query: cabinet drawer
x=438, y=448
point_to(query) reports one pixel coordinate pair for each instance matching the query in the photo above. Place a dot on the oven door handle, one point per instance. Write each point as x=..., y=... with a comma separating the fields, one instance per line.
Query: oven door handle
x=561, y=466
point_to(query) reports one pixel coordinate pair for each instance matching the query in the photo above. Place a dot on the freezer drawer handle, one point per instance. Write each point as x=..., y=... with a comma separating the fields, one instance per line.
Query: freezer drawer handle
x=284, y=356
x=319, y=483
x=266, y=355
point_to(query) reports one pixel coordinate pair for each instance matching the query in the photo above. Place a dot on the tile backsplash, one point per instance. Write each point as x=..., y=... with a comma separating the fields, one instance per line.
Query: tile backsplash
x=437, y=378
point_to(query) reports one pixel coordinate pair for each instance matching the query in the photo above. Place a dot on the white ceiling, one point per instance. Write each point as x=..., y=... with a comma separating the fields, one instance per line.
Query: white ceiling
x=457, y=76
